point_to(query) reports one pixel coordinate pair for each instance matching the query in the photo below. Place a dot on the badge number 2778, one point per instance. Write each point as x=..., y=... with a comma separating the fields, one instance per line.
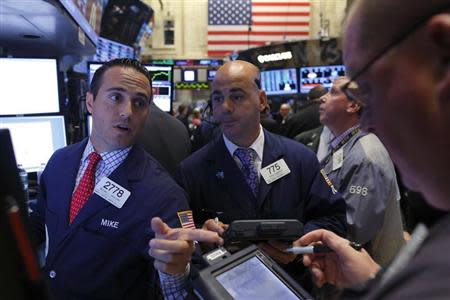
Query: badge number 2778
x=112, y=192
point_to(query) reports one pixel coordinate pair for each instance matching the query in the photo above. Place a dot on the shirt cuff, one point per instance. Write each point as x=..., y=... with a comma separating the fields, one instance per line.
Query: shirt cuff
x=174, y=286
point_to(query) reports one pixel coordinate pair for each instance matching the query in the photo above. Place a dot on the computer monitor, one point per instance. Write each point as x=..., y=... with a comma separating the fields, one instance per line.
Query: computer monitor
x=28, y=86
x=211, y=75
x=189, y=75
x=35, y=138
x=108, y=50
x=92, y=67
x=161, y=76
x=279, y=82
x=319, y=75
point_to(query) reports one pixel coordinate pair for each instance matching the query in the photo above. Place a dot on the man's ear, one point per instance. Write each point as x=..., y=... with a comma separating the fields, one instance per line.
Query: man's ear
x=262, y=100
x=89, y=102
x=353, y=107
x=439, y=32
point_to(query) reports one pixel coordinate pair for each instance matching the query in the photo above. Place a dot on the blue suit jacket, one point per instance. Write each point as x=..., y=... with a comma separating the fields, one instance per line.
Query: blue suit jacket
x=89, y=259
x=216, y=185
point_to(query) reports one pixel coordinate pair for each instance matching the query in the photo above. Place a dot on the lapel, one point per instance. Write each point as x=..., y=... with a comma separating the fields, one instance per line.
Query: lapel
x=131, y=169
x=227, y=176
x=272, y=152
x=63, y=188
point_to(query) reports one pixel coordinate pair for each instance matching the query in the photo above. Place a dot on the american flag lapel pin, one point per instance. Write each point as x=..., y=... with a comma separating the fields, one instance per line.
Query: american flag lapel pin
x=186, y=219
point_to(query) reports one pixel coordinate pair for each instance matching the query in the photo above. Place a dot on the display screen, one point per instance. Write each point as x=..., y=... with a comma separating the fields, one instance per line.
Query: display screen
x=28, y=86
x=279, y=82
x=189, y=75
x=108, y=50
x=35, y=138
x=311, y=77
x=92, y=67
x=161, y=77
x=253, y=280
x=211, y=74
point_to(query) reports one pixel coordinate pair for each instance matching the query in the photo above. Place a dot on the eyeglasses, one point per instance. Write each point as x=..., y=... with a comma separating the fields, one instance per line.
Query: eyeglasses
x=351, y=88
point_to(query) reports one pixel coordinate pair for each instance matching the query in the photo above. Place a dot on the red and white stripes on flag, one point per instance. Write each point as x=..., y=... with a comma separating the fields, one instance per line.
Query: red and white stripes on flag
x=186, y=219
x=235, y=25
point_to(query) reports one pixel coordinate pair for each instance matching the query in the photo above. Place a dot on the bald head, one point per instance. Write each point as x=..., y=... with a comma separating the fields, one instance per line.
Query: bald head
x=242, y=69
x=237, y=101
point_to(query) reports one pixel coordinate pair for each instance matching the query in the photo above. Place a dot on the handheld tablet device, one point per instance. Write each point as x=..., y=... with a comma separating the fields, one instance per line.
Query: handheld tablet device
x=247, y=274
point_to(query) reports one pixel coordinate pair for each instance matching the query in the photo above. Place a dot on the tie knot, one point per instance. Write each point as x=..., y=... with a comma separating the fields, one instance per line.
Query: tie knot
x=94, y=158
x=246, y=155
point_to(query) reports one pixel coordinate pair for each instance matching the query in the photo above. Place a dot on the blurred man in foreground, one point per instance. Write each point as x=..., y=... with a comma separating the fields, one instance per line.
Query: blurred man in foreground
x=403, y=78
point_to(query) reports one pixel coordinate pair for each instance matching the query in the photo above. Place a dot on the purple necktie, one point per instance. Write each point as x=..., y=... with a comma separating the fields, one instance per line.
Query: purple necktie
x=247, y=158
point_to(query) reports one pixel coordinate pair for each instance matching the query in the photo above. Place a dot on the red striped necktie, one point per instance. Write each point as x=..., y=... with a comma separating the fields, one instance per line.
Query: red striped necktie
x=85, y=187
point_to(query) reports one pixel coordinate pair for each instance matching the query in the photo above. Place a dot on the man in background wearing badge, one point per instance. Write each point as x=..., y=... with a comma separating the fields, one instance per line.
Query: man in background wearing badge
x=362, y=171
x=250, y=173
x=98, y=197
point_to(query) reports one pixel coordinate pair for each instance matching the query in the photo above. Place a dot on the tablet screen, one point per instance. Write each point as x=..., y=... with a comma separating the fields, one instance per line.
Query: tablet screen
x=253, y=280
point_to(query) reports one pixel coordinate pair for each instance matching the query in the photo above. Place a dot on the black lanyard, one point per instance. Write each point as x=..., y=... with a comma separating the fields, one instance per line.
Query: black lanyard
x=327, y=158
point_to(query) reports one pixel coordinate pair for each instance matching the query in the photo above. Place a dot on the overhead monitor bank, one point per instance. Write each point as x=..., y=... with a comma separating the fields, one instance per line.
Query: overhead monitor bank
x=28, y=86
x=35, y=138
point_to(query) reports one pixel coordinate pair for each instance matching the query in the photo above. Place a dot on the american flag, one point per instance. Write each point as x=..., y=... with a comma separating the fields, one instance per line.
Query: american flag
x=235, y=25
x=186, y=219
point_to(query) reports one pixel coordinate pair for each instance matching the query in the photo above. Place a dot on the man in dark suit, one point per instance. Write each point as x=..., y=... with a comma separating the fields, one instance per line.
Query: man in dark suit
x=98, y=197
x=165, y=138
x=249, y=173
x=307, y=116
x=310, y=138
x=412, y=123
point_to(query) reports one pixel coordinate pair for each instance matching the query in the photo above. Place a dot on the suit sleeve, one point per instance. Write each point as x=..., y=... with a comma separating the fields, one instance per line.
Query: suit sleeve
x=324, y=206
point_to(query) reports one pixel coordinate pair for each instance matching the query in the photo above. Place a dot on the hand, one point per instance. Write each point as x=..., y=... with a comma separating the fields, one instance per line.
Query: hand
x=216, y=226
x=276, y=251
x=344, y=267
x=172, y=248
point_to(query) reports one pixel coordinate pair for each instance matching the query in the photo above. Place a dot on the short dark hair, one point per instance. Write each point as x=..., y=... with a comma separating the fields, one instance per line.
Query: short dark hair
x=317, y=92
x=119, y=62
x=258, y=83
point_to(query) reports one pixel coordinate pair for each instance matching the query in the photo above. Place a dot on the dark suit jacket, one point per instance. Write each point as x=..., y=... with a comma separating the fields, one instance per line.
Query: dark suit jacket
x=89, y=259
x=310, y=138
x=305, y=119
x=215, y=184
x=270, y=124
x=165, y=138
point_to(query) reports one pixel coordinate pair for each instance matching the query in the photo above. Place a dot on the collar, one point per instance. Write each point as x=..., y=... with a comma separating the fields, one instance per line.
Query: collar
x=258, y=144
x=105, y=155
x=336, y=140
